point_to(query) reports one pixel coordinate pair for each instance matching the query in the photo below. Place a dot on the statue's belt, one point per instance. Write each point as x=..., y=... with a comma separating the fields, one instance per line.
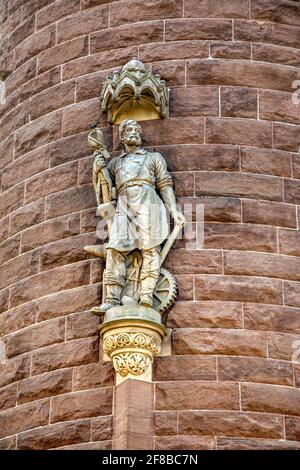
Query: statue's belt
x=128, y=184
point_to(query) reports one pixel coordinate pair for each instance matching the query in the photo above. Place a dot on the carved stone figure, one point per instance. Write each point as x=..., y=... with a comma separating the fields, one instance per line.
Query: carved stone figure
x=134, y=195
x=135, y=192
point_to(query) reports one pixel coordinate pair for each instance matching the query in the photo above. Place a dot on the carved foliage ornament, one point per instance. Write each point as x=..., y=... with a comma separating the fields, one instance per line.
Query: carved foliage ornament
x=134, y=93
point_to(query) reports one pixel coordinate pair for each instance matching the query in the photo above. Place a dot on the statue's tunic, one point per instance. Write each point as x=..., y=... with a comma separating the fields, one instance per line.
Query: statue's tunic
x=140, y=220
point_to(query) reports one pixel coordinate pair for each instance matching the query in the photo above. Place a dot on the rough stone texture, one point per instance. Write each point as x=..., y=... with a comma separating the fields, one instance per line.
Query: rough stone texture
x=232, y=144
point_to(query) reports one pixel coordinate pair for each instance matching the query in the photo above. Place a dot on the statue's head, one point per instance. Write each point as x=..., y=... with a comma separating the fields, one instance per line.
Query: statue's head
x=130, y=132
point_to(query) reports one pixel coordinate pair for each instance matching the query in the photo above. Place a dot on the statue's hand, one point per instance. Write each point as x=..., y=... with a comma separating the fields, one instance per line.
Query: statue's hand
x=179, y=218
x=99, y=163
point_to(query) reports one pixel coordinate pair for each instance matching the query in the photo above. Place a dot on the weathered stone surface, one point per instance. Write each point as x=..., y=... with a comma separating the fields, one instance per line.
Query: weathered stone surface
x=4, y=298
x=184, y=184
x=81, y=405
x=286, y=137
x=173, y=72
x=93, y=376
x=280, y=54
x=63, y=53
x=292, y=428
x=207, y=314
x=269, y=213
x=56, y=11
x=70, y=200
x=36, y=336
x=102, y=428
x=50, y=231
x=184, y=368
x=271, y=318
x=292, y=293
x=185, y=287
x=240, y=73
x=173, y=50
x=270, y=399
x=81, y=325
x=289, y=242
x=257, y=31
x=83, y=22
x=6, y=151
x=18, y=268
x=195, y=395
x=56, y=280
x=239, y=237
x=63, y=303
x=226, y=342
x=45, y=385
x=277, y=11
x=238, y=289
x=250, y=369
x=278, y=106
x=16, y=118
x=292, y=191
x=8, y=443
x=211, y=8
x=266, y=161
x=80, y=116
x=230, y=50
x=38, y=133
x=21, y=75
x=59, y=356
x=56, y=435
x=282, y=345
x=189, y=262
x=27, y=215
x=9, y=249
x=262, y=264
x=88, y=221
x=104, y=61
x=133, y=11
x=18, y=318
x=165, y=423
x=238, y=185
x=35, y=44
x=40, y=83
x=69, y=250
x=24, y=417
x=183, y=29
x=53, y=180
x=216, y=209
x=201, y=157
x=230, y=423
x=11, y=199
x=22, y=168
x=194, y=101
x=122, y=35
x=237, y=443
x=239, y=102
x=14, y=369
x=184, y=442
x=53, y=98
x=239, y=132
x=69, y=149
x=8, y=397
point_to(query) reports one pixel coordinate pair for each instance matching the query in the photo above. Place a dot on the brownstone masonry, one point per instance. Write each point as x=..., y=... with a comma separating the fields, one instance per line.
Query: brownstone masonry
x=232, y=143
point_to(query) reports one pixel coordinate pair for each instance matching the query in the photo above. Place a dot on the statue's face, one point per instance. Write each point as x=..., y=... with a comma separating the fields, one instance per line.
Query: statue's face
x=132, y=135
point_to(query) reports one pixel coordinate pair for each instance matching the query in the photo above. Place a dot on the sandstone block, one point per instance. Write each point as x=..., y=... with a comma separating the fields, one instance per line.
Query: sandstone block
x=266, y=161
x=63, y=53
x=45, y=385
x=270, y=399
x=269, y=213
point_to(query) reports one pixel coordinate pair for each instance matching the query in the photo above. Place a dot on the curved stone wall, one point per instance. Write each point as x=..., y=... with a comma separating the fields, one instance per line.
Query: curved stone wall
x=232, y=141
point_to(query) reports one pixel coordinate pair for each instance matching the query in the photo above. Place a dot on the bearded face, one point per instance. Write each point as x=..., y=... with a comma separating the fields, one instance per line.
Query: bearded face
x=132, y=135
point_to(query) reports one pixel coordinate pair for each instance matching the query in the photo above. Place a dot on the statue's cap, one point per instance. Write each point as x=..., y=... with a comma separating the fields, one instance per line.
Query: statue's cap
x=134, y=64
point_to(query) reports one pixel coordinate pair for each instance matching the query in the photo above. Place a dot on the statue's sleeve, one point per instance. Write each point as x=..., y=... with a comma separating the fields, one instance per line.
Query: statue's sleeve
x=163, y=177
x=111, y=166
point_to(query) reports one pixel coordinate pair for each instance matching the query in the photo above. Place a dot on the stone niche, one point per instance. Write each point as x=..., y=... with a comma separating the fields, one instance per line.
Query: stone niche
x=134, y=93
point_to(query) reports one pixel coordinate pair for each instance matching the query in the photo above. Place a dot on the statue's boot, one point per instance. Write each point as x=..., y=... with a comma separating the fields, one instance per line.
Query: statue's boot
x=148, y=285
x=113, y=295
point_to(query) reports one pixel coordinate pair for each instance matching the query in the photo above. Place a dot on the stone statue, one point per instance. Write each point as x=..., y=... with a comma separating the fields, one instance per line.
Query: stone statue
x=134, y=192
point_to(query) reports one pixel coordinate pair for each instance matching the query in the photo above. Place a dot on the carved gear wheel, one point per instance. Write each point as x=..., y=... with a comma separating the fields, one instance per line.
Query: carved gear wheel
x=165, y=292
